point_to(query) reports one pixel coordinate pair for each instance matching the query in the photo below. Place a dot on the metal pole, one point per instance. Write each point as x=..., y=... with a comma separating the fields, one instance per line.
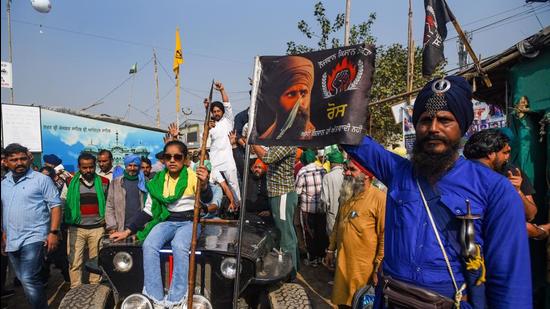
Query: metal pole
x=8, y=12
x=346, y=23
x=178, y=101
x=251, y=113
x=157, y=88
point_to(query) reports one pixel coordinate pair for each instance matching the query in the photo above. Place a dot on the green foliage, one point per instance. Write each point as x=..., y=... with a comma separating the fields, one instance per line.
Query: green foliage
x=390, y=76
x=327, y=30
x=389, y=80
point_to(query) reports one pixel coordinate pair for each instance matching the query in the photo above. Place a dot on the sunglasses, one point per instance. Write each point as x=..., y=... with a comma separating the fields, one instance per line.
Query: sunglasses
x=177, y=157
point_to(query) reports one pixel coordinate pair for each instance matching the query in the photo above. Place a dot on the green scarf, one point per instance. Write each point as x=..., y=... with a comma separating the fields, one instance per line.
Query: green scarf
x=129, y=177
x=72, y=207
x=158, y=209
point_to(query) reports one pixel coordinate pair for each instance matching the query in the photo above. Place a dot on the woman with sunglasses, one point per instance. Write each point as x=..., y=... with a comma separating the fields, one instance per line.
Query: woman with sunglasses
x=168, y=218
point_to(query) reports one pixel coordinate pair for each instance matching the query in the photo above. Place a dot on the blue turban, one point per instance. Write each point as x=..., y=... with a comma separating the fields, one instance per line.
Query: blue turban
x=457, y=100
x=141, y=177
x=52, y=159
x=132, y=159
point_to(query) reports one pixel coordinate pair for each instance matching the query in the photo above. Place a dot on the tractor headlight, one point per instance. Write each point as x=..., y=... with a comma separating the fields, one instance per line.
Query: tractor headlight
x=200, y=302
x=136, y=301
x=123, y=261
x=228, y=267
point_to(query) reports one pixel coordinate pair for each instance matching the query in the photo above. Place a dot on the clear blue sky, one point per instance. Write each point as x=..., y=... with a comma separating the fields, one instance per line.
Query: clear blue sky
x=69, y=62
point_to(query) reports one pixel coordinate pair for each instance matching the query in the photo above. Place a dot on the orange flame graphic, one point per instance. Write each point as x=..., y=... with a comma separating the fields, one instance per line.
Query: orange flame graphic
x=341, y=76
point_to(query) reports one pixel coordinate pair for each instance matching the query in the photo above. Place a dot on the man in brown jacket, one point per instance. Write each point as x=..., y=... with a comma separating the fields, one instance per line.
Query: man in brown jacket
x=357, y=238
x=126, y=195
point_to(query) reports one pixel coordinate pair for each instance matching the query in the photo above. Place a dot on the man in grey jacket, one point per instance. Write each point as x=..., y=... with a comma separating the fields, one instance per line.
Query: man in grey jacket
x=126, y=195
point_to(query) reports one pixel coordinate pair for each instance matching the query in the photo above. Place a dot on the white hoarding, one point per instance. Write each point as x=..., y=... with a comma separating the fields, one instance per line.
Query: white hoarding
x=21, y=124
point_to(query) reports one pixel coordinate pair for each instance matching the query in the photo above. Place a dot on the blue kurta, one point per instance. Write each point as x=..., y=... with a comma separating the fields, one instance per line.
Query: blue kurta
x=411, y=250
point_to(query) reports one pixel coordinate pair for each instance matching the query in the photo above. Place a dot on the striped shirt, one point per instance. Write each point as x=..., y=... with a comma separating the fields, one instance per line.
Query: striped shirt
x=280, y=175
x=309, y=183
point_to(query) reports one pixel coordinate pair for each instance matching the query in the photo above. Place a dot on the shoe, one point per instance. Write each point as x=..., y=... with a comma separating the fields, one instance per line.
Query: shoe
x=157, y=306
x=7, y=293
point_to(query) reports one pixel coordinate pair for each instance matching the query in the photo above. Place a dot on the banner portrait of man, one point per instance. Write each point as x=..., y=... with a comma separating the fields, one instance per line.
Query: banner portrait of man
x=313, y=99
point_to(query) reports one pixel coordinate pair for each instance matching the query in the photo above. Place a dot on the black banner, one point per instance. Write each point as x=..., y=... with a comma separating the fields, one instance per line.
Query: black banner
x=314, y=99
x=435, y=32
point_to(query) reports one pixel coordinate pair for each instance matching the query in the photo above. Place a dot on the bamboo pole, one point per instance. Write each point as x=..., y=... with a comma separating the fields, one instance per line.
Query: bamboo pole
x=178, y=90
x=469, y=48
x=157, y=99
x=191, y=278
x=410, y=58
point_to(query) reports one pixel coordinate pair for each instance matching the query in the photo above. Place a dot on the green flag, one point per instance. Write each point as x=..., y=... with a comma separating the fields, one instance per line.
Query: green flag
x=133, y=69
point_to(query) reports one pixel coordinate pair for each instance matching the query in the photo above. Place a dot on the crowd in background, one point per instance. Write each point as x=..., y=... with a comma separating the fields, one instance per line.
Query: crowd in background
x=328, y=208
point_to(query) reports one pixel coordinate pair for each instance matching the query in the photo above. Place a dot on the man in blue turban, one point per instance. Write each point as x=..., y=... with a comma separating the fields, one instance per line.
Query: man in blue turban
x=126, y=195
x=453, y=226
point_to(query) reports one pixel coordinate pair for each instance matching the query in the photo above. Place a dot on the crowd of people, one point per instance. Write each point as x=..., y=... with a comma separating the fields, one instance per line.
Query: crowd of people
x=365, y=213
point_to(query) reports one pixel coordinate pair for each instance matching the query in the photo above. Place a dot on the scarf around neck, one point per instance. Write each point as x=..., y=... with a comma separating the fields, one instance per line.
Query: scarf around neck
x=159, y=208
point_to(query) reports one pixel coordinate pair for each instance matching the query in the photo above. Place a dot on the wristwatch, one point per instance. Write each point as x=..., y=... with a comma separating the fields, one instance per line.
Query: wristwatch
x=55, y=232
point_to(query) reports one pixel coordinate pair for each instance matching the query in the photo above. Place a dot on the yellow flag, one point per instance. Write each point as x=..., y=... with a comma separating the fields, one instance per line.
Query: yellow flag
x=178, y=55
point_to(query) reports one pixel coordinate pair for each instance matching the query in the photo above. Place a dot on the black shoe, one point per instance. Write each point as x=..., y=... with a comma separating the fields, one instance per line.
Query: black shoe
x=7, y=293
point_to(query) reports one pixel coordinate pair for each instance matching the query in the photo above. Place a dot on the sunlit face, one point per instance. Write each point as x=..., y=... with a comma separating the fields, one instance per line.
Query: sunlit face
x=132, y=169
x=292, y=94
x=257, y=170
x=87, y=168
x=174, y=159
x=146, y=168
x=18, y=162
x=353, y=170
x=436, y=135
x=217, y=113
x=104, y=162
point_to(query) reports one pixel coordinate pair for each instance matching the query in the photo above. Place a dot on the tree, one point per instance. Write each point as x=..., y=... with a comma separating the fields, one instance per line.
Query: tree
x=389, y=75
x=358, y=33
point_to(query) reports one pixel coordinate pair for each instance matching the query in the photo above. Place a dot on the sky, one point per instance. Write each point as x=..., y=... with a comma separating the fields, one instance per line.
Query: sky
x=81, y=51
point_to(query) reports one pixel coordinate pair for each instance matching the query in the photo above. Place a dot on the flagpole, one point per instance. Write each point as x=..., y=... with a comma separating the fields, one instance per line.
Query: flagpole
x=410, y=58
x=178, y=101
x=157, y=87
x=469, y=48
x=251, y=114
x=8, y=13
x=196, y=212
x=346, y=23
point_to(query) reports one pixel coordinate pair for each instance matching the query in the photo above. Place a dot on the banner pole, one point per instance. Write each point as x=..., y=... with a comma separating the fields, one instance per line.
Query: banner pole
x=251, y=114
x=196, y=213
x=469, y=48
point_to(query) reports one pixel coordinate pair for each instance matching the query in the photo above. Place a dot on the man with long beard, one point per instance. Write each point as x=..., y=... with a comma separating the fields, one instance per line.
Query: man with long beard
x=291, y=79
x=358, y=235
x=454, y=233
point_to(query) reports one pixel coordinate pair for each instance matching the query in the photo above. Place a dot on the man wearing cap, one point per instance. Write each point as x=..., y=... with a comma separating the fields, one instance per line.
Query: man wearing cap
x=332, y=183
x=312, y=218
x=357, y=240
x=432, y=197
x=221, y=152
x=126, y=195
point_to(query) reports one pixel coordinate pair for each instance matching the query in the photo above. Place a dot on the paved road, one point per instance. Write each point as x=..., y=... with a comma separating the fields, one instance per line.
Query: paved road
x=314, y=280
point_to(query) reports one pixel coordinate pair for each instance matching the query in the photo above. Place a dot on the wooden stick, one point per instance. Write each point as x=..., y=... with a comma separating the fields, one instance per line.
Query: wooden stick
x=191, y=278
x=469, y=48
